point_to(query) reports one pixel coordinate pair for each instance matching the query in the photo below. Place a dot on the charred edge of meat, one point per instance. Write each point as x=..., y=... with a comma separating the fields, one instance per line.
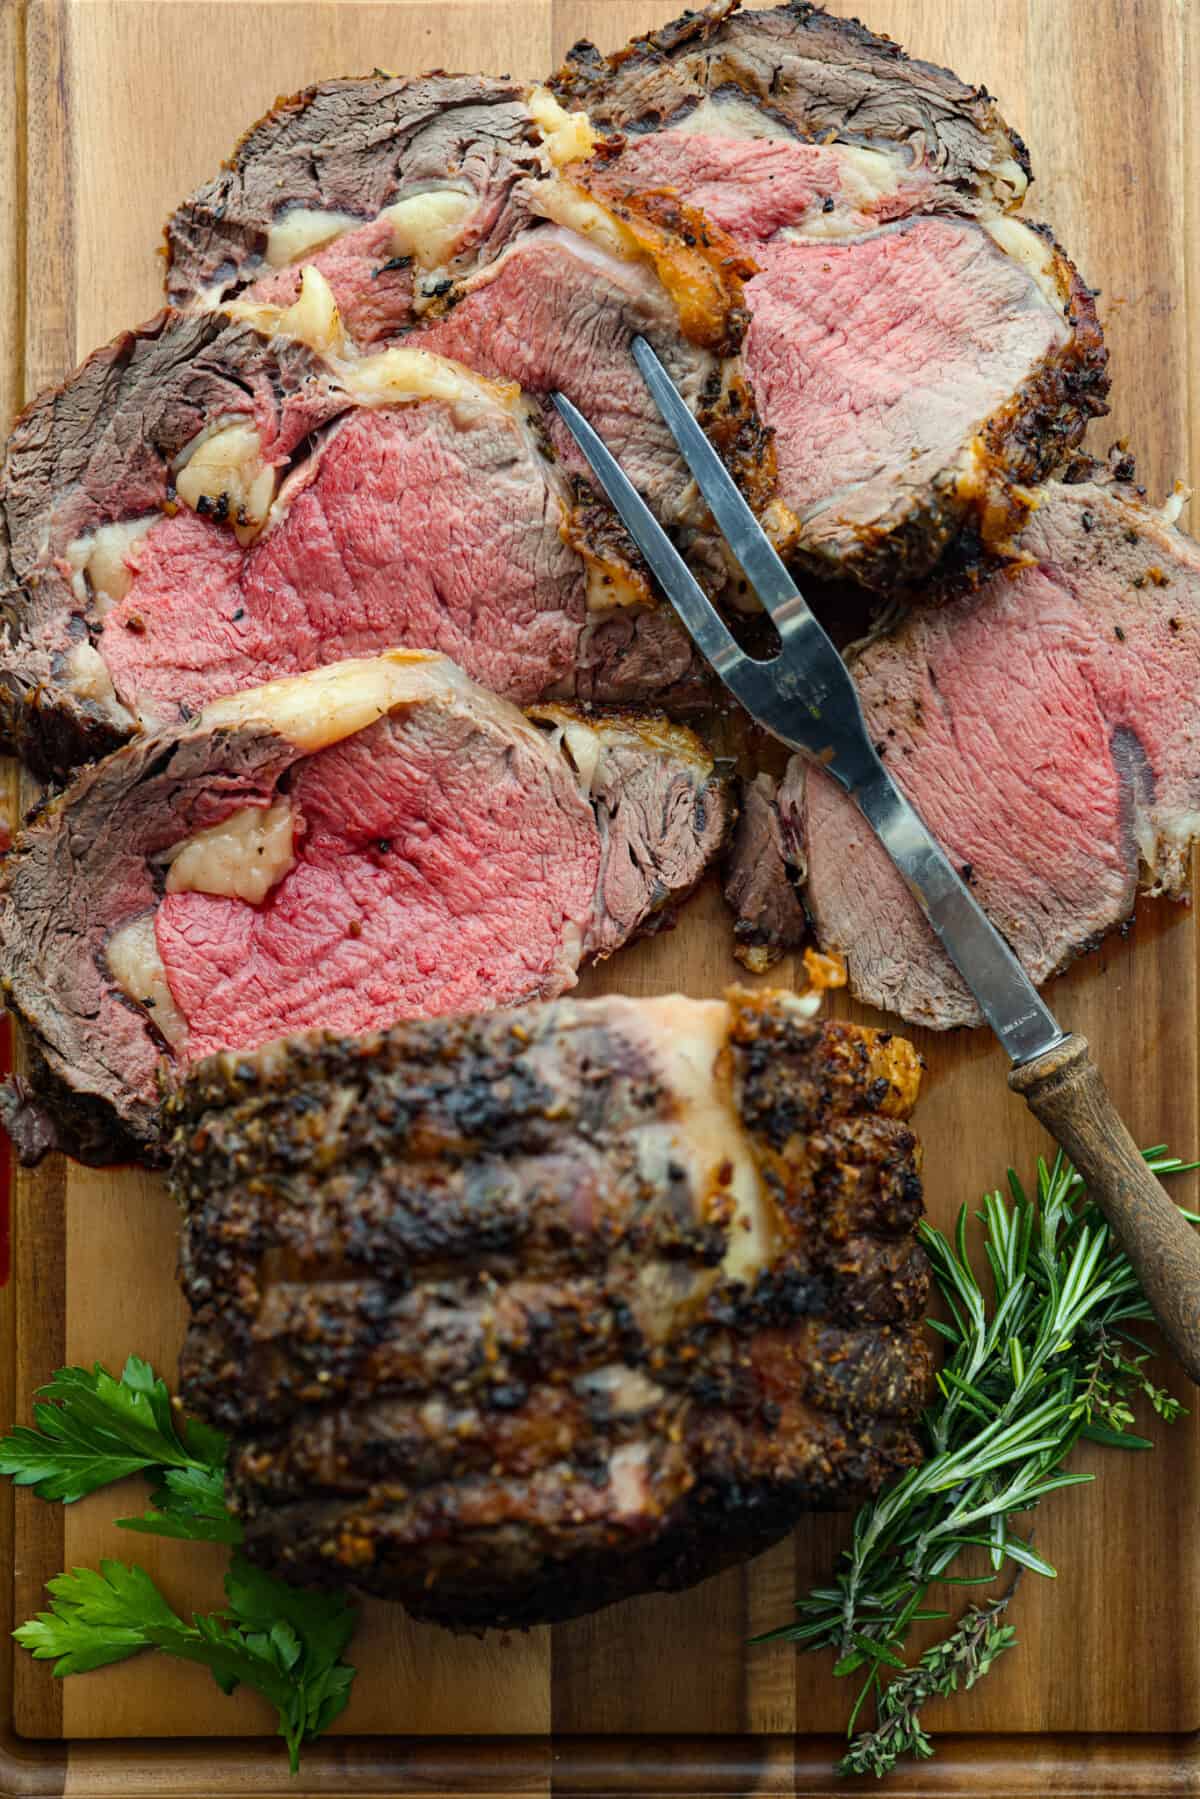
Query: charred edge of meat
x=762, y=885
x=1048, y=415
x=206, y=213
x=469, y=1586
x=1020, y=445
x=1036, y=437
x=52, y=733
x=44, y=1114
x=594, y=531
x=697, y=262
x=587, y=71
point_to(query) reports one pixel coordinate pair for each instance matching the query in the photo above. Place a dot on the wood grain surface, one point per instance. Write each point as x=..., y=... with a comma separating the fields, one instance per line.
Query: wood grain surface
x=113, y=109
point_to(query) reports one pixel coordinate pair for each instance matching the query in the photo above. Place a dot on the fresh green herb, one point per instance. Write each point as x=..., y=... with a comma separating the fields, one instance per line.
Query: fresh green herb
x=1046, y=1358
x=959, y=1660
x=285, y=1643
x=92, y=1429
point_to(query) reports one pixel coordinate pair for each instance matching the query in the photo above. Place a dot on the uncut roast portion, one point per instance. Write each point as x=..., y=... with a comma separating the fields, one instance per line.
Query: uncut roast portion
x=513, y=1316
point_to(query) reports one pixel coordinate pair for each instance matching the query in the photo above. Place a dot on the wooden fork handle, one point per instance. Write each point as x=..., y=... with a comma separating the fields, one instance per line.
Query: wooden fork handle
x=1063, y=1089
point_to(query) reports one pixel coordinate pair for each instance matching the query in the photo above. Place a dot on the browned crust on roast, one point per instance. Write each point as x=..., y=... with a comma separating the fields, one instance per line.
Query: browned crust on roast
x=345, y=1278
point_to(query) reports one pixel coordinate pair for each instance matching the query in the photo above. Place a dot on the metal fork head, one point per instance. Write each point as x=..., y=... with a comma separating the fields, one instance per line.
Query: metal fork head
x=804, y=695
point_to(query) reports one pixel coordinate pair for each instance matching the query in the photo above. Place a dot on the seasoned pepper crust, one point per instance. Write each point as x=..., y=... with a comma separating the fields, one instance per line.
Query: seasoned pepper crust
x=471, y=1327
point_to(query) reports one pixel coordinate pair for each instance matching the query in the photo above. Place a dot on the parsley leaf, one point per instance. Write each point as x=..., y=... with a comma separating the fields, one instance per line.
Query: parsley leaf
x=284, y=1643
x=91, y=1429
x=189, y=1503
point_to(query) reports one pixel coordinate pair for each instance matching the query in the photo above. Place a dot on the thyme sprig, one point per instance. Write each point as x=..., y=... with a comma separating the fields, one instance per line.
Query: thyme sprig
x=958, y=1660
x=1043, y=1359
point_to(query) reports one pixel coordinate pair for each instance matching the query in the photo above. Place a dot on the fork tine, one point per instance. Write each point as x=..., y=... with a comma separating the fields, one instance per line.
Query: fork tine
x=758, y=557
x=704, y=623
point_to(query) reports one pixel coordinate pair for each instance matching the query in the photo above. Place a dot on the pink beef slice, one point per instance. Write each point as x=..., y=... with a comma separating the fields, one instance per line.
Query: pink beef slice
x=429, y=524
x=99, y=450
x=452, y=855
x=442, y=869
x=554, y=312
x=915, y=374
x=412, y=526
x=349, y=149
x=1046, y=727
x=420, y=528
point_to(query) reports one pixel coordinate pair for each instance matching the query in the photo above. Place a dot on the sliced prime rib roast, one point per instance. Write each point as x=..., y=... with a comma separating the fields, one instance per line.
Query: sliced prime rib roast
x=920, y=353
x=1046, y=725
x=377, y=839
x=510, y=1317
x=452, y=152
x=226, y=496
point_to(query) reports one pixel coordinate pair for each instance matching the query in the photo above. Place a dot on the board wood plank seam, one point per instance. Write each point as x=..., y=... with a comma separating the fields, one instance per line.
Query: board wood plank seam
x=116, y=108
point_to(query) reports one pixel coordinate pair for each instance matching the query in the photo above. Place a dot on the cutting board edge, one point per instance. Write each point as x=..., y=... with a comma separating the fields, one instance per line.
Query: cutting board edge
x=1073, y=1766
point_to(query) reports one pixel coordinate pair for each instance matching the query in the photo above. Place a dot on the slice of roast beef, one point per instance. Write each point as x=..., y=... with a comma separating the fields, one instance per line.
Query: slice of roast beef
x=511, y=1317
x=371, y=841
x=216, y=500
x=375, y=168
x=1047, y=728
x=921, y=355
x=762, y=887
x=795, y=71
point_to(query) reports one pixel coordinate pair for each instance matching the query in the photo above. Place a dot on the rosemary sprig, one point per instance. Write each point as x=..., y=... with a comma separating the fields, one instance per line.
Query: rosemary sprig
x=1046, y=1357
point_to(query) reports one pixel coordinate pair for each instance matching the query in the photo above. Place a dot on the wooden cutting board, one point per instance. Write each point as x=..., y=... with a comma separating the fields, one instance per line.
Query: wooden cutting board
x=114, y=109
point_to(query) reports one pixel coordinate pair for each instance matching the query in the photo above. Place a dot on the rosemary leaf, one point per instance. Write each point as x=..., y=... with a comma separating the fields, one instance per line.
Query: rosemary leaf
x=1043, y=1358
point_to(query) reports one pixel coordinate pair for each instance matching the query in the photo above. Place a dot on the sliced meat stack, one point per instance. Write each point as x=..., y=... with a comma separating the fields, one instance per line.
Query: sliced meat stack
x=920, y=353
x=374, y=840
x=223, y=497
x=512, y=1317
x=1047, y=726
